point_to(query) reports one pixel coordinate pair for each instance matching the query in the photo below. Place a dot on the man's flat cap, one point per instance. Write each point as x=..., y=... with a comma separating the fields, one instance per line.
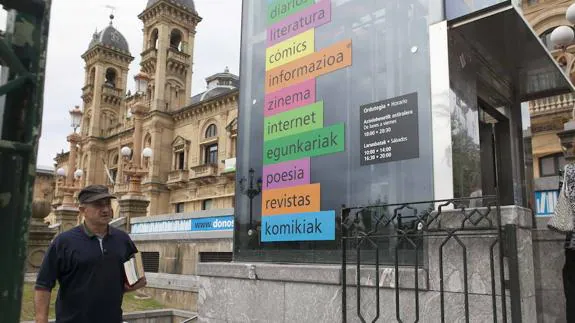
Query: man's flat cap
x=93, y=193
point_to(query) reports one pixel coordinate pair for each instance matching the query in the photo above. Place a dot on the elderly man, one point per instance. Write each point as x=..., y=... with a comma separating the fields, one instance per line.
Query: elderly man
x=87, y=261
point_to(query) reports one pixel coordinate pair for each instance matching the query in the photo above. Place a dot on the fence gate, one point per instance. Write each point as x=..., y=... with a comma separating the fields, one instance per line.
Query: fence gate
x=434, y=261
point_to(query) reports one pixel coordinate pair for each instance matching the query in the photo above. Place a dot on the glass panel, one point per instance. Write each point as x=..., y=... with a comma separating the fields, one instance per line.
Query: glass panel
x=465, y=123
x=548, y=166
x=390, y=58
x=211, y=154
x=458, y=8
x=207, y=204
x=181, y=160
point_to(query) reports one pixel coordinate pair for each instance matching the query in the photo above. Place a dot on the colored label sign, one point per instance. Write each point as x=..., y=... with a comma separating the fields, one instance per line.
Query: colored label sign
x=545, y=202
x=217, y=223
x=318, y=142
x=213, y=224
x=286, y=174
x=319, y=63
x=280, y=9
x=311, y=17
x=316, y=226
x=289, y=98
x=290, y=50
x=297, y=199
x=294, y=121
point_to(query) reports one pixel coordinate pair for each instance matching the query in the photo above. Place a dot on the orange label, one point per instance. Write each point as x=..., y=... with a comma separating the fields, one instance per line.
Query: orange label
x=295, y=199
x=313, y=65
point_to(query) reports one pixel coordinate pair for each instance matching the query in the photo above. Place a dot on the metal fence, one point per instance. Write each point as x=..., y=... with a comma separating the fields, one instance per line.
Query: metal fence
x=433, y=241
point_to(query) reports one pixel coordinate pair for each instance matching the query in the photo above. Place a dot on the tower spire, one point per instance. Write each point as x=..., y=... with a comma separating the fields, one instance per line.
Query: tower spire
x=112, y=10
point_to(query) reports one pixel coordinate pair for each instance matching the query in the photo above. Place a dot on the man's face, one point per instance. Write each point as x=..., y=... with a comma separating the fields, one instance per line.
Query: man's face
x=99, y=212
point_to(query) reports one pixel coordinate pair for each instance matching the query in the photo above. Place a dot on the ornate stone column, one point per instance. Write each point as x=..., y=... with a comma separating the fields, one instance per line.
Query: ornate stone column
x=135, y=203
x=39, y=235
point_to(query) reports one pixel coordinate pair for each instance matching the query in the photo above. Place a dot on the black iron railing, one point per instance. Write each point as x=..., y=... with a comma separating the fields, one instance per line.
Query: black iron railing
x=417, y=237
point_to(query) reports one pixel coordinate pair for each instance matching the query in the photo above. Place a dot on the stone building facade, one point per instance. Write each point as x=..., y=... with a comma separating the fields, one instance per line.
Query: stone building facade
x=192, y=138
x=548, y=115
x=44, y=184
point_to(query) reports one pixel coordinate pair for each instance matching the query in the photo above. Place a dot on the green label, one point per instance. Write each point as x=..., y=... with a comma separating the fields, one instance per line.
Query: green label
x=279, y=9
x=317, y=142
x=295, y=121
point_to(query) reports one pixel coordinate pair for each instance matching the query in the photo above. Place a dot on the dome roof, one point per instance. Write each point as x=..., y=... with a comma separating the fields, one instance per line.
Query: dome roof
x=110, y=37
x=188, y=4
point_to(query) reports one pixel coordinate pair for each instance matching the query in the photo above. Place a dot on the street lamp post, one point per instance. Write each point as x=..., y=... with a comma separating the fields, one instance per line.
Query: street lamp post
x=68, y=181
x=134, y=168
x=251, y=191
x=135, y=203
x=563, y=36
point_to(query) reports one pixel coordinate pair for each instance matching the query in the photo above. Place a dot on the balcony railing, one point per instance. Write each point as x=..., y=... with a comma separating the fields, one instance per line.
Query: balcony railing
x=177, y=177
x=178, y=56
x=110, y=91
x=554, y=104
x=149, y=55
x=88, y=90
x=204, y=171
x=120, y=188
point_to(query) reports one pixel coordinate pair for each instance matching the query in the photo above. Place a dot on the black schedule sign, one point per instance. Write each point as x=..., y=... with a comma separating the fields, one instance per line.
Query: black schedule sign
x=389, y=130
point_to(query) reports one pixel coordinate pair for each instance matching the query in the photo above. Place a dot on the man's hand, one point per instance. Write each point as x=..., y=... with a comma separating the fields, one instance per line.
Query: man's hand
x=139, y=284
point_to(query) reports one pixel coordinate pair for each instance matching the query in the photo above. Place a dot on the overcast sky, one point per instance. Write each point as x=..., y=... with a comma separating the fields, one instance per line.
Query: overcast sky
x=71, y=27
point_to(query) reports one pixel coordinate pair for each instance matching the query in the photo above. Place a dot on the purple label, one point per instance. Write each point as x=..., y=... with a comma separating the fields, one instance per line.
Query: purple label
x=311, y=17
x=291, y=173
x=290, y=98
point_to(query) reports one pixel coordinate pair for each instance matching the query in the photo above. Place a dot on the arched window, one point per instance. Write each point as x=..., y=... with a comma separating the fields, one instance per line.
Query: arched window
x=111, y=76
x=112, y=171
x=546, y=38
x=212, y=131
x=176, y=40
x=148, y=141
x=154, y=39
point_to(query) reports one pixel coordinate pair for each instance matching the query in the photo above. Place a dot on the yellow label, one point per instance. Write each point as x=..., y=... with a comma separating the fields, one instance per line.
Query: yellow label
x=290, y=49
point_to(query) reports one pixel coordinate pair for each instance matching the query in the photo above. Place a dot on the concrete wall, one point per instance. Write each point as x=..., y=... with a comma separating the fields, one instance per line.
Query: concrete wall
x=173, y=291
x=182, y=256
x=155, y=316
x=549, y=257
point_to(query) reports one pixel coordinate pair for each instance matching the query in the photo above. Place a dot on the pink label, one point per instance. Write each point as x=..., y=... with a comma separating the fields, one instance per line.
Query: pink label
x=286, y=174
x=311, y=17
x=290, y=98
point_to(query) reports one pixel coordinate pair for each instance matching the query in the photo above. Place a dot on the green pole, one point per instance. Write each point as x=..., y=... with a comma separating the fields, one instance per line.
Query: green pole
x=23, y=55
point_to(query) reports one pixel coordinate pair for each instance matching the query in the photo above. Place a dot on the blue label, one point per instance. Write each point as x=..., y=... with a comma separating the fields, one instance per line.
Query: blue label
x=313, y=226
x=218, y=223
x=545, y=202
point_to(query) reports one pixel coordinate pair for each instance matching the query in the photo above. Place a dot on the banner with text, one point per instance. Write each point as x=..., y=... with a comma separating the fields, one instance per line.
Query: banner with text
x=294, y=129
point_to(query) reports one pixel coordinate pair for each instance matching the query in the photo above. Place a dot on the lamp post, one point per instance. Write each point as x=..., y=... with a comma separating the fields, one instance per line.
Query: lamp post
x=562, y=37
x=68, y=179
x=133, y=167
x=251, y=191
